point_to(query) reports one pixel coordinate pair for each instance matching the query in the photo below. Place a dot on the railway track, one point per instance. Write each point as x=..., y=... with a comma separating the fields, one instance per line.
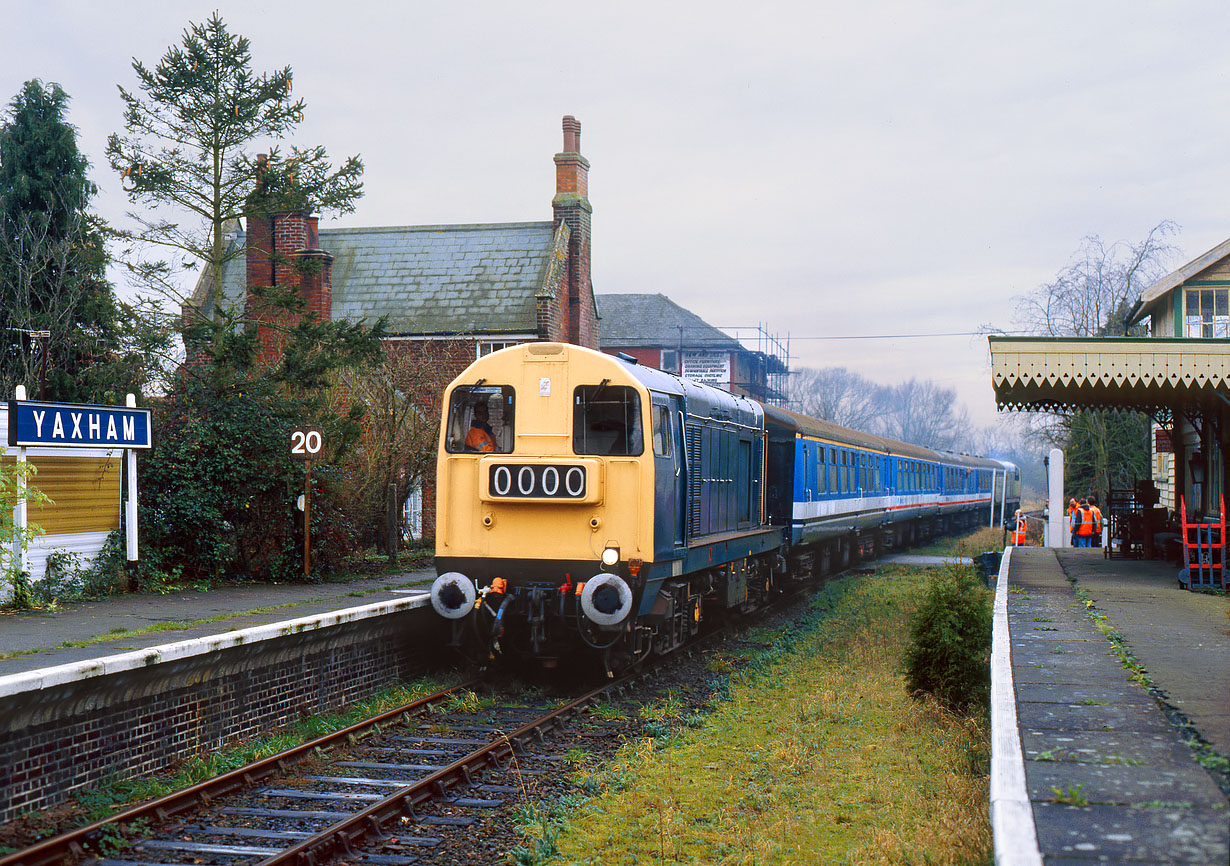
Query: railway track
x=384, y=791
x=399, y=788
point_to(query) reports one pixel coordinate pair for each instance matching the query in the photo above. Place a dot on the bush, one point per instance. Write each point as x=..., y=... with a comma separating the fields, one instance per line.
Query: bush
x=68, y=579
x=950, y=648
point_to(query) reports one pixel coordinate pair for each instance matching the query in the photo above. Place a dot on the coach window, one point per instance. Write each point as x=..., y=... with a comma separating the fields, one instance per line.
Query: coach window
x=480, y=419
x=606, y=420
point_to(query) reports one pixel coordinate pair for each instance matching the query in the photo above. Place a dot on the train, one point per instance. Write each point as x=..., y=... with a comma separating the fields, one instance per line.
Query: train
x=587, y=504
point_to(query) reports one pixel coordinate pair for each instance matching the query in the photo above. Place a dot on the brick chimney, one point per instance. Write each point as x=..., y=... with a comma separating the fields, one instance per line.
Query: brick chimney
x=283, y=250
x=571, y=205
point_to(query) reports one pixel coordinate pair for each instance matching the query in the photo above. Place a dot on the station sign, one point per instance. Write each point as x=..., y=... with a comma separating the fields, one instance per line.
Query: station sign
x=77, y=425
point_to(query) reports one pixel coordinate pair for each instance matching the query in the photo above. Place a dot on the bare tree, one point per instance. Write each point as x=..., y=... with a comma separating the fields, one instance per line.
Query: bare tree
x=1091, y=296
x=401, y=399
x=838, y=395
x=919, y=412
x=923, y=413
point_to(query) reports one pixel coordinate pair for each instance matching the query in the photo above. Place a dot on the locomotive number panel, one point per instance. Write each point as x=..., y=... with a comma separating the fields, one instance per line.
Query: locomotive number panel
x=540, y=481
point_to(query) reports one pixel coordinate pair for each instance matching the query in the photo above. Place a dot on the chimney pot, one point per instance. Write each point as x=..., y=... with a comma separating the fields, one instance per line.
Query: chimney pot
x=572, y=134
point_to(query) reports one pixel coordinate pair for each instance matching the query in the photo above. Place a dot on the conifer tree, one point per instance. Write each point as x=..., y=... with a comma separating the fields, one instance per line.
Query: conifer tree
x=219, y=476
x=185, y=153
x=57, y=311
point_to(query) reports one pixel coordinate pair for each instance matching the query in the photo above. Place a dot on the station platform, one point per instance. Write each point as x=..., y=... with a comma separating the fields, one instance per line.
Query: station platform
x=1107, y=770
x=100, y=636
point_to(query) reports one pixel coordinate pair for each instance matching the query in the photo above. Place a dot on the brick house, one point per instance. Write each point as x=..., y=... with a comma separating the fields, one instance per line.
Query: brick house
x=453, y=292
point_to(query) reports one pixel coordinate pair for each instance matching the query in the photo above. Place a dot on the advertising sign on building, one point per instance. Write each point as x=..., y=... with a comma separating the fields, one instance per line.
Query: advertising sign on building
x=711, y=368
x=1162, y=443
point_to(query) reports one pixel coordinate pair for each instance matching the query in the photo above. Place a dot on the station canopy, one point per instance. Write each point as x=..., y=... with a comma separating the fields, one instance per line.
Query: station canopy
x=1149, y=374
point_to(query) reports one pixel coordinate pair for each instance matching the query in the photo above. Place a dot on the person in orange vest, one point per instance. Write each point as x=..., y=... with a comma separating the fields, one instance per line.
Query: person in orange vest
x=481, y=437
x=1082, y=524
x=1097, y=520
x=1072, y=521
x=1018, y=532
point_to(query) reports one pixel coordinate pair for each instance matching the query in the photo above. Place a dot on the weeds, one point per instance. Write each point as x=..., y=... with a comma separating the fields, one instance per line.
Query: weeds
x=1071, y=796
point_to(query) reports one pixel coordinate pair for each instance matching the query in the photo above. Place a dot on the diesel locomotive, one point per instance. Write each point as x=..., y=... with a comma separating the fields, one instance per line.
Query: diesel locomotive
x=587, y=503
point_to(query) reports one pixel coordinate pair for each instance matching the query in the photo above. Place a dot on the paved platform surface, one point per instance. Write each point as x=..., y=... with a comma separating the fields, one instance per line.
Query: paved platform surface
x=1134, y=790
x=36, y=640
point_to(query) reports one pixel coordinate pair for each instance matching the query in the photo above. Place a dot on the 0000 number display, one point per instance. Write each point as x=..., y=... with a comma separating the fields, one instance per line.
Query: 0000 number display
x=536, y=481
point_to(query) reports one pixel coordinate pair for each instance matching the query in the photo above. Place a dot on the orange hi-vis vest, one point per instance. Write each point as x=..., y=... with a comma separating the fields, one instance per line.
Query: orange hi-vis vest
x=1085, y=527
x=1018, y=534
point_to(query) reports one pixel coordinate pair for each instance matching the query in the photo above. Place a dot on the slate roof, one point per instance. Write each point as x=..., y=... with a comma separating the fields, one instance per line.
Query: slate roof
x=435, y=279
x=653, y=321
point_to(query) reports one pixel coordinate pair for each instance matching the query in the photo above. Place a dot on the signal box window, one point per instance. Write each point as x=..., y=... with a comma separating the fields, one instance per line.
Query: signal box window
x=606, y=420
x=1206, y=313
x=480, y=420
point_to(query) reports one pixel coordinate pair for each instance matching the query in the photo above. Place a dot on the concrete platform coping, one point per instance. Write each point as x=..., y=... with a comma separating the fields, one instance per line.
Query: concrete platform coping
x=26, y=681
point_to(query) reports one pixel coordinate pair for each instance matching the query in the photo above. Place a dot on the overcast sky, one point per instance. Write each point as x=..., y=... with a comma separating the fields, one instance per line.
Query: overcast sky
x=821, y=169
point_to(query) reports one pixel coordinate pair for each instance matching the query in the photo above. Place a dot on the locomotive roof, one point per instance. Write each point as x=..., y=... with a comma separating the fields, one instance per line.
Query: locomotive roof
x=702, y=400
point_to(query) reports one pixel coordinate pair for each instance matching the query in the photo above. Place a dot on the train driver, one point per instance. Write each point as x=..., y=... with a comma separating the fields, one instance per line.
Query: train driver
x=481, y=437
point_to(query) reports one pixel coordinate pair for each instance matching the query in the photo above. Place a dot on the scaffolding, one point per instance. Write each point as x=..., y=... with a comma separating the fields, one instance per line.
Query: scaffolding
x=769, y=381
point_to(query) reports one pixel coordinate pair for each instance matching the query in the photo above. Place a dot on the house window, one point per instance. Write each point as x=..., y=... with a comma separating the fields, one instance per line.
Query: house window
x=486, y=347
x=412, y=515
x=1206, y=313
x=670, y=360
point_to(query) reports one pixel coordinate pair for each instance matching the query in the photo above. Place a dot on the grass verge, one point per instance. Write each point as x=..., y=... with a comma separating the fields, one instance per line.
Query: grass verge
x=815, y=754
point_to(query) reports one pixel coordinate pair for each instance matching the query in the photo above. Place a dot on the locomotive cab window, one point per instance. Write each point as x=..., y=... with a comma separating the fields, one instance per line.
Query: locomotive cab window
x=480, y=420
x=606, y=420
x=661, y=431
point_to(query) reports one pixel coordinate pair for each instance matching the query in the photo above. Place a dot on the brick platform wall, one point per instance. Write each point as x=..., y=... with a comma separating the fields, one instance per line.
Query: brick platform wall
x=63, y=738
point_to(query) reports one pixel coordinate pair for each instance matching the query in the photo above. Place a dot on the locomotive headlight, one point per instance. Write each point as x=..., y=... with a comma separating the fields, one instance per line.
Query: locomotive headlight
x=610, y=557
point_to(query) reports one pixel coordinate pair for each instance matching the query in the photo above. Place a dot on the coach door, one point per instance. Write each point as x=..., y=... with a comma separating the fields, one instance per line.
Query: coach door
x=670, y=473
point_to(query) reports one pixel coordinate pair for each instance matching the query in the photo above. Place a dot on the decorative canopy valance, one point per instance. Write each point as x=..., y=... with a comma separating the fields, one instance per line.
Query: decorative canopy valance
x=1146, y=373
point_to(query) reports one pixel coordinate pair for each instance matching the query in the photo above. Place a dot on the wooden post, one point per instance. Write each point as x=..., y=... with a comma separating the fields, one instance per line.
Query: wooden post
x=307, y=521
x=394, y=524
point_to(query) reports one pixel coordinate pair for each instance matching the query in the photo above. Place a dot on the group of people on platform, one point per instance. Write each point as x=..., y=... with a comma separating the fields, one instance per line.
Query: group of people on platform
x=1084, y=522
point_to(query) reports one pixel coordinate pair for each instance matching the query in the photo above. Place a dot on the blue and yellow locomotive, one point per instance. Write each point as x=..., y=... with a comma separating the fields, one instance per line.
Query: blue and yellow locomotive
x=584, y=500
